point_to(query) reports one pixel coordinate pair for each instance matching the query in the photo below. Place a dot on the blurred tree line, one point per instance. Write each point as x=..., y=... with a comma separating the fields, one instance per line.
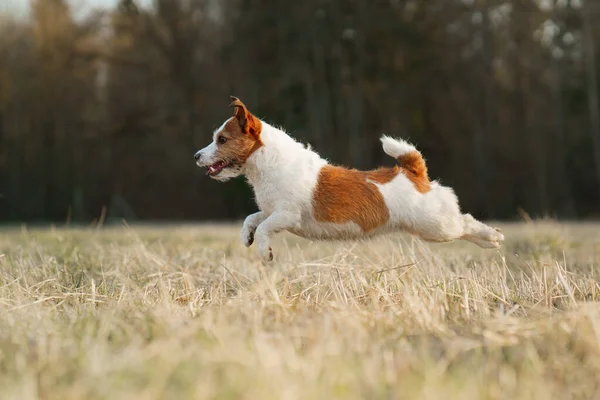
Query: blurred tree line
x=101, y=114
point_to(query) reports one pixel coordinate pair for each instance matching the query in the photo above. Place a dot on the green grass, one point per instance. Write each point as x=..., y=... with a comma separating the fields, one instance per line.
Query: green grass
x=188, y=312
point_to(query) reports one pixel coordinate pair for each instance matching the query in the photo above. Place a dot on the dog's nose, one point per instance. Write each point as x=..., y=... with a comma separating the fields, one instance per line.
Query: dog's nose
x=197, y=156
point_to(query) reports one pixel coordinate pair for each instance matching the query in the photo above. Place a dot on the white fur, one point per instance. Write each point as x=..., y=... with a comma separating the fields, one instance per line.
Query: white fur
x=396, y=147
x=284, y=174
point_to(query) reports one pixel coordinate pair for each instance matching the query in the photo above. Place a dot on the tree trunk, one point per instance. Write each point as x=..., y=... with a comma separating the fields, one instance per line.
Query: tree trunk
x=360, y=154
x=484, y=135
x=337, y=98
x=520, y=153
x=564, y=196
x=318, y=90
x=586, y=10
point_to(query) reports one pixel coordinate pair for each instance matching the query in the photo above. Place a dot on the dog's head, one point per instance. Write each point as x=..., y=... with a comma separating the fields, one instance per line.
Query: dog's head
x=232, y=144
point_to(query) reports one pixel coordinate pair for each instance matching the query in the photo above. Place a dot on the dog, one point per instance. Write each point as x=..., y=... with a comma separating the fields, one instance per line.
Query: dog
x=298, y=191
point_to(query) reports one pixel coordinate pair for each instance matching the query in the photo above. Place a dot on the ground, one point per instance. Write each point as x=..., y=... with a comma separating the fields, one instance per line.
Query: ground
x=188, y=312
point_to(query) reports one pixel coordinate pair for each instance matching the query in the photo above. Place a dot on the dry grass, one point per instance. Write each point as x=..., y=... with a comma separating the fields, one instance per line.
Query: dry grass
x=188, y=312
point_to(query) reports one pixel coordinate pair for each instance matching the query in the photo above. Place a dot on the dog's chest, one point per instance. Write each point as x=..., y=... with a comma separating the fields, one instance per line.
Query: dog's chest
x=277, y=194
x=288, y=185
x=265, y=201
x=267, y=194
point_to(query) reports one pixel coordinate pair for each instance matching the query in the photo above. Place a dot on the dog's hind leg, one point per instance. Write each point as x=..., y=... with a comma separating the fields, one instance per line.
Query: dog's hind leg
x=481, y=234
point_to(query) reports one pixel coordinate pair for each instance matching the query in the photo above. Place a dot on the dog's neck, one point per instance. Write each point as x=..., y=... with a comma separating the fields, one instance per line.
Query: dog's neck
x=278, y=150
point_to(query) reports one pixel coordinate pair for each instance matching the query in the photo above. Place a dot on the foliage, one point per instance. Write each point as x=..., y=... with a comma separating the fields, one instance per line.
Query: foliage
x=110, y=106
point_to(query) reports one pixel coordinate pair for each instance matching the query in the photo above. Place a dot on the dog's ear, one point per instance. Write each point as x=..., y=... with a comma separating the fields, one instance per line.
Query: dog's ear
x=240, y=112
x=248, y=122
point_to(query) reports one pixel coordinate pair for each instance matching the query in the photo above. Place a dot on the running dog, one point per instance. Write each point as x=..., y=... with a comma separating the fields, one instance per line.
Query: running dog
x=298, y=191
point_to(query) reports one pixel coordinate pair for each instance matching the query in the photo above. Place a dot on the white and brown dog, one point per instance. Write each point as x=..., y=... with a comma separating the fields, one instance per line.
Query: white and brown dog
x=298, y=191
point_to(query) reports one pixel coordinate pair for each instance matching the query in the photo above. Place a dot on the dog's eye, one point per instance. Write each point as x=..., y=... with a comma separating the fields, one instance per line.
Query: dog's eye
x=221, y=139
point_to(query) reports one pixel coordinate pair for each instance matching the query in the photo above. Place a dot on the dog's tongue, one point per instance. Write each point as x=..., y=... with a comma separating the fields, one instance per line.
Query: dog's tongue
x=216, y=168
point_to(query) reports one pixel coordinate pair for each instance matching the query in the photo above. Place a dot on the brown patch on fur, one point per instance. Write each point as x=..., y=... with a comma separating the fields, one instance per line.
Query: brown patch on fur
x=345, y=195
x=382, y=175
x=413, y=166
x=243, y=135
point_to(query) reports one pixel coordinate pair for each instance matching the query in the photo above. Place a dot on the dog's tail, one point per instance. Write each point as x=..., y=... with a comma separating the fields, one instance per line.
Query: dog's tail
x=409, y=158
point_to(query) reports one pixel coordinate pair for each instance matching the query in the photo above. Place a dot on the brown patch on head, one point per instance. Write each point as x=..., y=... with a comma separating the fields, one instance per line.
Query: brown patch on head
x=241, y=135
x=413, y=166
x=248, y=123
x=344, y=195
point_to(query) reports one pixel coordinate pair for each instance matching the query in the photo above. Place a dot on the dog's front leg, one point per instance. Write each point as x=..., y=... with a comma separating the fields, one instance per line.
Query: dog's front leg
x=250, y=224
x=274, y=223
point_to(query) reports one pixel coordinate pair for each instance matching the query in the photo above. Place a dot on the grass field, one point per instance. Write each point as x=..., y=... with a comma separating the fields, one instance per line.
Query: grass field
x=188, y=312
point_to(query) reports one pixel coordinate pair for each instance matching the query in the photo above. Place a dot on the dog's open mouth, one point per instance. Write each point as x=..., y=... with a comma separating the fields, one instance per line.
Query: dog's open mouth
x=216, y=168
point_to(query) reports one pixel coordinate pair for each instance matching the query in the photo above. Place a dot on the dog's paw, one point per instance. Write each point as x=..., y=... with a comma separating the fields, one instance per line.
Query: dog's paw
x=494, y=239
x=492, y=235
x=247, y=236
x=265, y=252
x=497, y=236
